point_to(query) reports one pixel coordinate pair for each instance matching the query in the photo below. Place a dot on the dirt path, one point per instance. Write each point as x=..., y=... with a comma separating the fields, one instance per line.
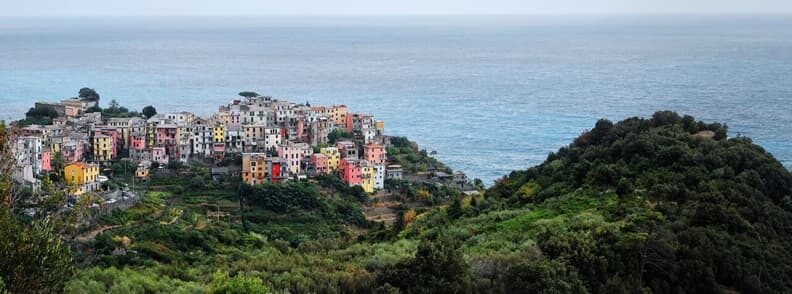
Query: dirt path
x=92, y=234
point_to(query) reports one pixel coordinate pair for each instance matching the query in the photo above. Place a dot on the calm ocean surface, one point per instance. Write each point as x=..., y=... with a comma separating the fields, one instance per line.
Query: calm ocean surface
x=489, y=94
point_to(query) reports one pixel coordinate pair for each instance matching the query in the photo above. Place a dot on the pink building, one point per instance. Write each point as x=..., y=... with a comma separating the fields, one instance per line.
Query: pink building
x=158, y=155
x=374, y=153
x=46, y=158
x=138, y=141
x=351, y=173
x=294, y=153
x=320, y=163
x=166, y=135
x=72, y=151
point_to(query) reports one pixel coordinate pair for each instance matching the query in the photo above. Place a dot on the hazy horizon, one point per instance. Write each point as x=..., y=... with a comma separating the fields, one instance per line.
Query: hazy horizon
x=76, y=8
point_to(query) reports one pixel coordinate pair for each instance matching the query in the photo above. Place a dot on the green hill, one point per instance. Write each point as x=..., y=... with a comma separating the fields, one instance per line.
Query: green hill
x=663, y=205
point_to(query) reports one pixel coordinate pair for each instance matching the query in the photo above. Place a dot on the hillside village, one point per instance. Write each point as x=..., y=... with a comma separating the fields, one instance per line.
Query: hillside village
x=270, y=140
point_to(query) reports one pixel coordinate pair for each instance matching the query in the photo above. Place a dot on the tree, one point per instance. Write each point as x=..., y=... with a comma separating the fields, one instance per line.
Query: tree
x=149, y=111
x=238, y=284
x=58, y=163
x=42, y=115
x=93, y=109
x=88, y=94
x=337, y=134
x=543, y=276
x=249, y=94
x=438, y=267
x=34, y=257
x=455, y=210
x=114, y=106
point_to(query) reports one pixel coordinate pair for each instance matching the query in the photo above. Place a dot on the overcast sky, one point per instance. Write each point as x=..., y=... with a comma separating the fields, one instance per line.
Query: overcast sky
x=209, y=7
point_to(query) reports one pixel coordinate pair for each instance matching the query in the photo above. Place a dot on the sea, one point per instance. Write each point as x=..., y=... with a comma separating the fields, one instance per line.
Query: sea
x=490, y=94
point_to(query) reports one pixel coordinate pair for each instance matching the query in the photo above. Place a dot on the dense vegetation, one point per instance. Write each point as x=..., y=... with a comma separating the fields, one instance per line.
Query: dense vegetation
x=687, y=209
x=113, y=110
x=406, y=153
x=40, y=115
x=88, y=94
x=660, y=205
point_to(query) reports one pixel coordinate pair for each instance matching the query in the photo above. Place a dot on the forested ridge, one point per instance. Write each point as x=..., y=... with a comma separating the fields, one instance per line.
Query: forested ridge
x=693, y=211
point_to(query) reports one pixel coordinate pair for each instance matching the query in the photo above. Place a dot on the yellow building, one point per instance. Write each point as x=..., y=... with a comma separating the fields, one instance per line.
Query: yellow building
x=55, y=147
x=333, y=157
x=218, y=133
x=142, y=170
x=367, y=177
x=102, y=148
x=81, y=177
x=151, y=131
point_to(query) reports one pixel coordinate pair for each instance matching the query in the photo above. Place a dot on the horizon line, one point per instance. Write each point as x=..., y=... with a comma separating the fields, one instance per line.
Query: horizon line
x=418, y=14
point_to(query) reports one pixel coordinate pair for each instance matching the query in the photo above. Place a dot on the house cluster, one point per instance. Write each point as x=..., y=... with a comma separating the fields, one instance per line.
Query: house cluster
x=277, y=141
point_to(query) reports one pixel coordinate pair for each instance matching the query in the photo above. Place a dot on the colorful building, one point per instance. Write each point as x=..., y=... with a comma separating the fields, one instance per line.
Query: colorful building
x=333, y=157
x=137, y=141
x=45, y=160
x=367, y=176
x=320, y=164
x=257, y=168
x=115, y=140
x=338, y=113
x=294, y=153
x=102, y=147
x=374, y=153
x=142, y=170
x=350, y=172
x=218, y=133
x=166, y=135
x=72, y=151
x=81, y=177
x=372, y=176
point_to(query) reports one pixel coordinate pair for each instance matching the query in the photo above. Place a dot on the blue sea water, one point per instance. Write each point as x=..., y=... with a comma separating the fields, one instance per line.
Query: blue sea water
x=490, y=94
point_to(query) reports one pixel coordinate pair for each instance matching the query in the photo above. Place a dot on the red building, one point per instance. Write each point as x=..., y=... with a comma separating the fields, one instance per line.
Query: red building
x=320, y=163
x=350, y=171
x=138, y=141
x=277, y=170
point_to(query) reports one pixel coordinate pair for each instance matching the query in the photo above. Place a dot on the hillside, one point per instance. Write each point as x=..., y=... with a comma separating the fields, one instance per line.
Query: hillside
x=666, y=204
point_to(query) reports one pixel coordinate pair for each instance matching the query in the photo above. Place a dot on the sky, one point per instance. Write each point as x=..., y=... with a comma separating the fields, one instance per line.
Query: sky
x=378, y=7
